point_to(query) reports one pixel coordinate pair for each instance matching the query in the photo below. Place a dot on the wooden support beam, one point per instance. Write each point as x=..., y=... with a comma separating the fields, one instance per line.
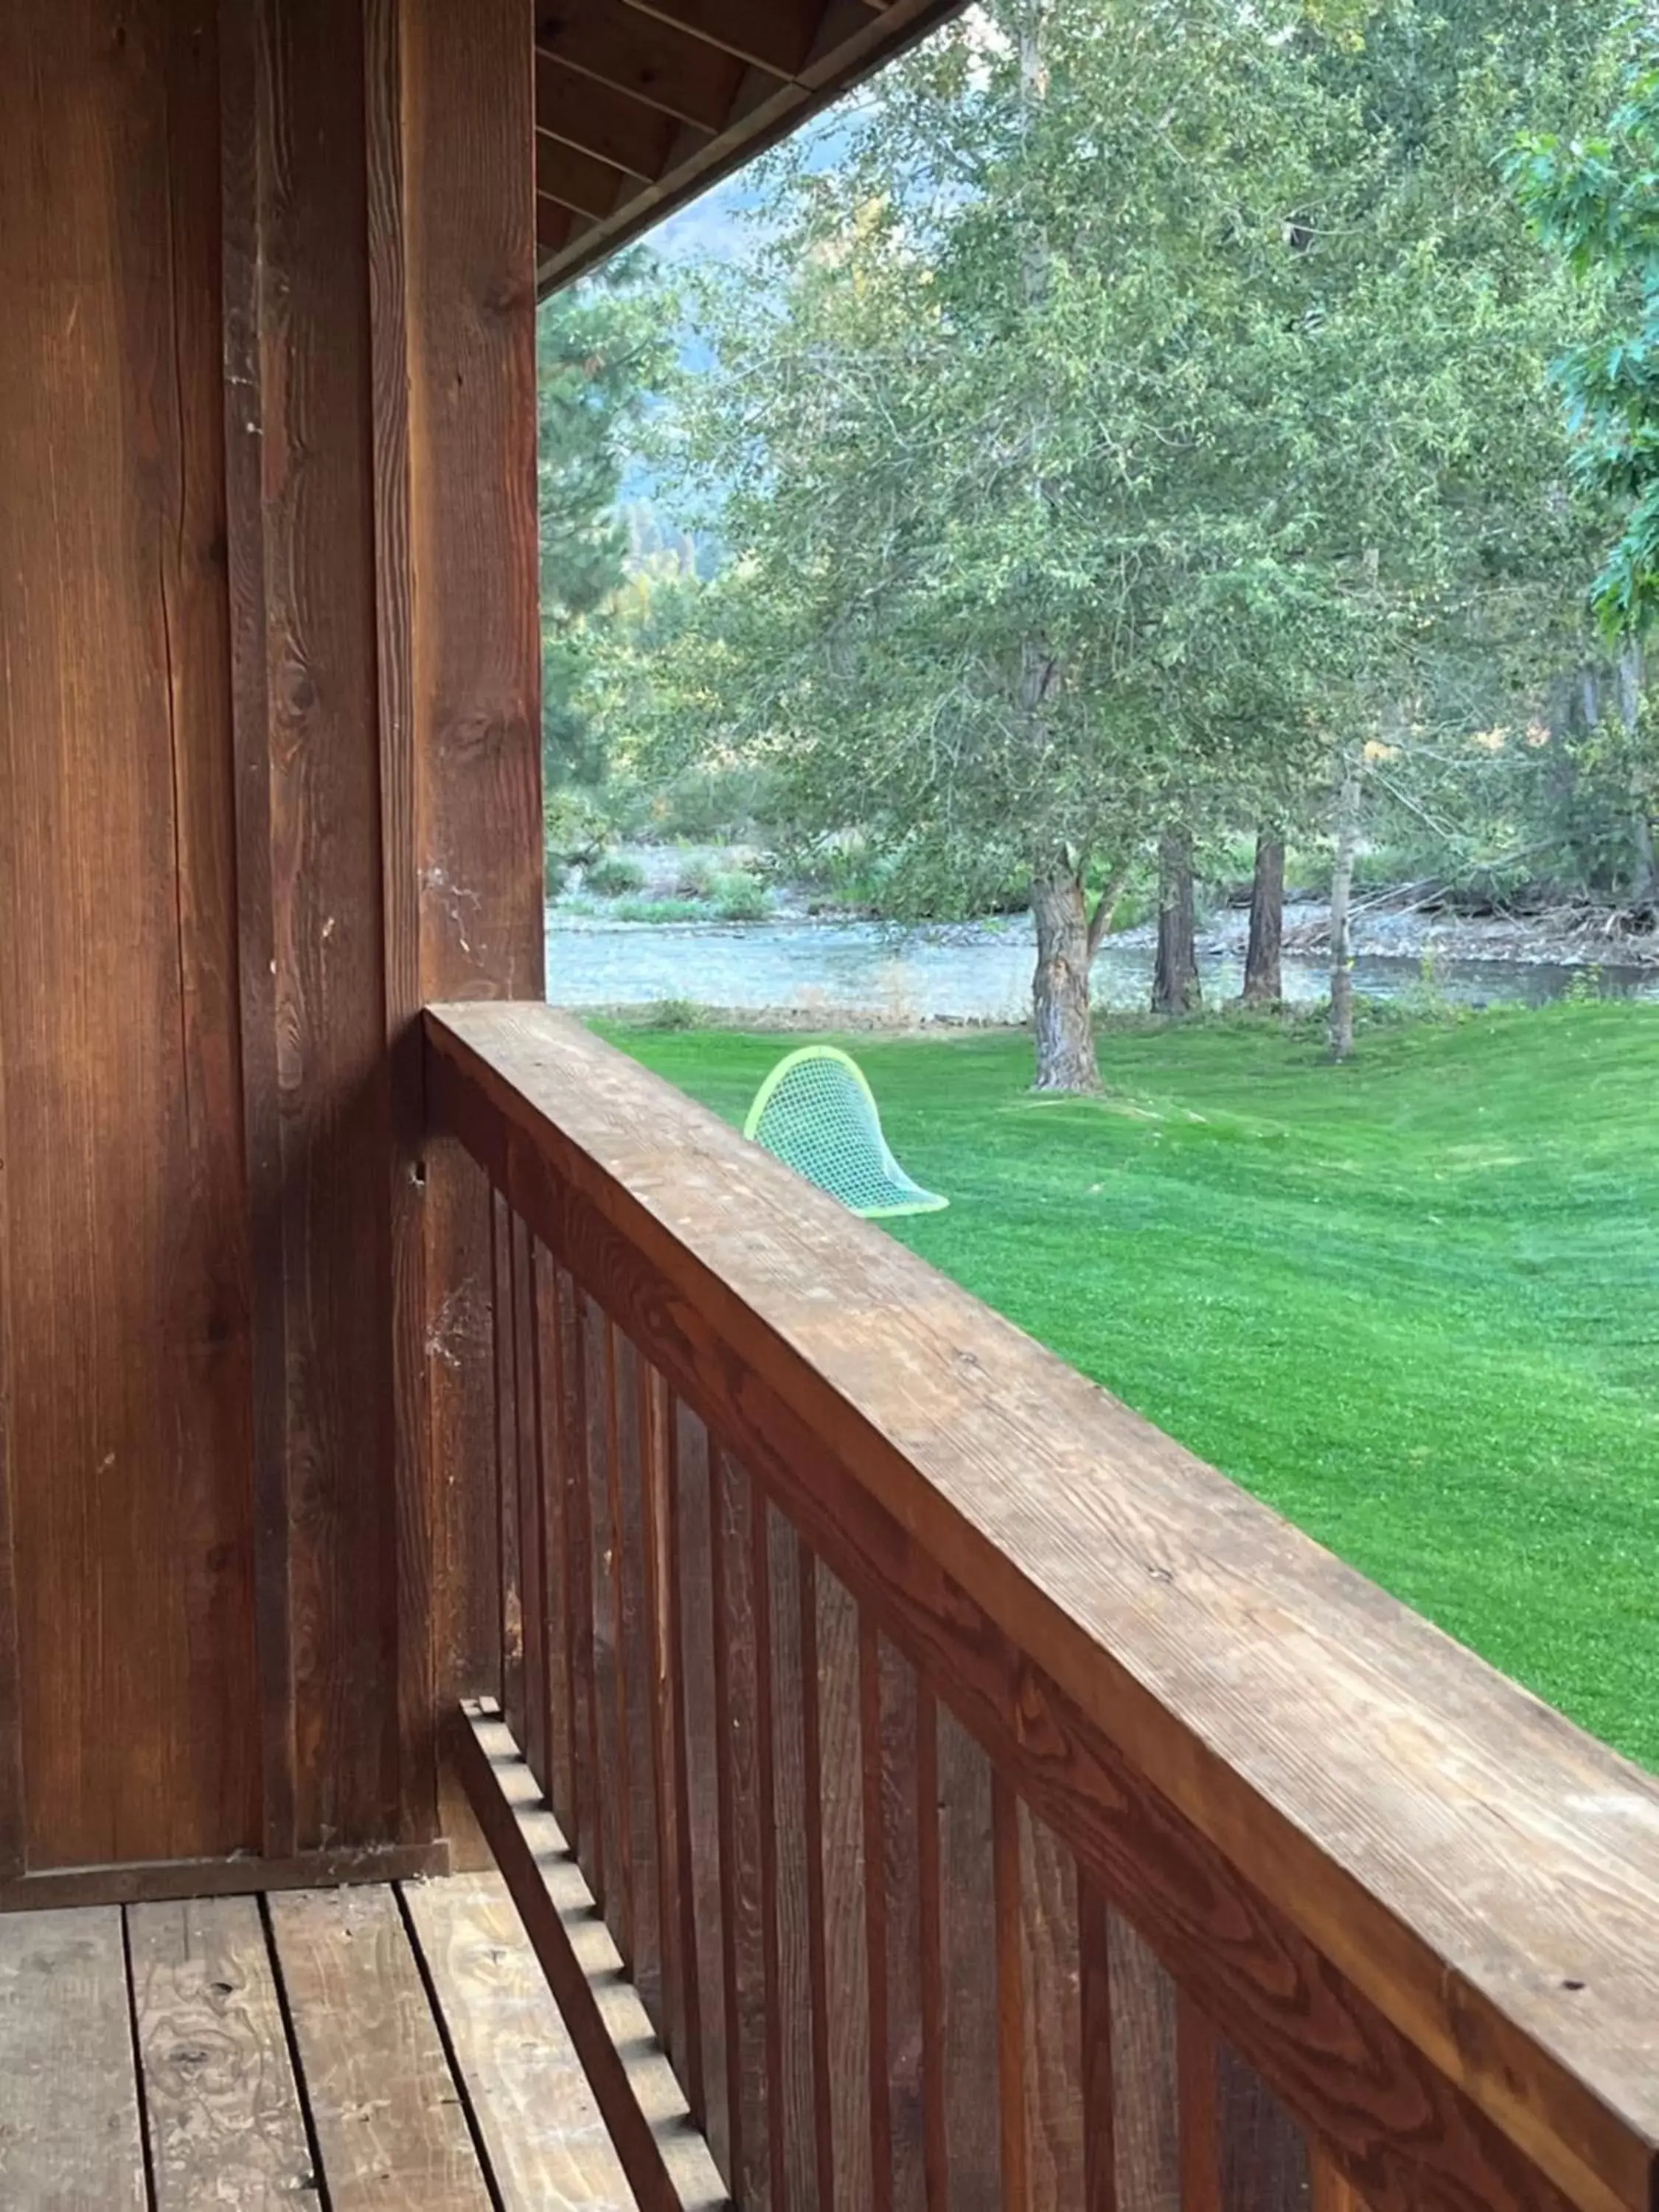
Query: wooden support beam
x=773, y=34
x=603, y=123
x=650, y=61
x=553, y=224
x=576, y=180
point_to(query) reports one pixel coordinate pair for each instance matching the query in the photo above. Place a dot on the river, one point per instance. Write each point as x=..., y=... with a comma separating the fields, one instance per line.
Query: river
x=973, y=972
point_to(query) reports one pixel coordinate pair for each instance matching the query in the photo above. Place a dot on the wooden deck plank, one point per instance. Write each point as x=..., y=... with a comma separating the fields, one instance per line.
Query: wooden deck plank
x=69, y=2102
x=224, y=2118
x=539, y=2121
x=386, y=2113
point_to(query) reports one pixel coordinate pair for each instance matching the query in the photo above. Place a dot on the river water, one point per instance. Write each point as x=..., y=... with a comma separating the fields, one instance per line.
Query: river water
x=979, y=971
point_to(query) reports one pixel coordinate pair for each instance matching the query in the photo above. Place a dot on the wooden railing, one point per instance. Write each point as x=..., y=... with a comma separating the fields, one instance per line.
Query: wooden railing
x=987, y=1803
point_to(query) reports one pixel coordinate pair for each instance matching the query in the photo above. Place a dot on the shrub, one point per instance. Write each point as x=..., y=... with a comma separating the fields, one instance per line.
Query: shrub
x=659, y=909
x=672, y=1014
x=739, y=897
x=696, y=880
x=613, y=876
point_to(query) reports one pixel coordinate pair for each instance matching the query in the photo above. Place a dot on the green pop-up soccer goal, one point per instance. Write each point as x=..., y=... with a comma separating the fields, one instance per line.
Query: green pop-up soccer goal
x=815, y=1111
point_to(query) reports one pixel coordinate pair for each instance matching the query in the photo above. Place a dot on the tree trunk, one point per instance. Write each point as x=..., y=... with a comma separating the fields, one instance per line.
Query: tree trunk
x=1644, y=887
x=1263, y=983
x=1176, y=987
x=1059, y=988
x=1347, y=837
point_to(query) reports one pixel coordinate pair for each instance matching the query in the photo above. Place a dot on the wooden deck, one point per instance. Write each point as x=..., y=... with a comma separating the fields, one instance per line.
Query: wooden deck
x=360, y=2049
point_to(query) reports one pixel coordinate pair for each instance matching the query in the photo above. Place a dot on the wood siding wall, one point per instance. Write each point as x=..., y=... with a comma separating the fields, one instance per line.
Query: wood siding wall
x=268, y=777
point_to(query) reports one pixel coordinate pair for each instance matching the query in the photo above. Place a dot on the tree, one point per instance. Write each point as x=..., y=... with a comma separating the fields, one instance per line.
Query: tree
x=604, y=349
x=1012, y=451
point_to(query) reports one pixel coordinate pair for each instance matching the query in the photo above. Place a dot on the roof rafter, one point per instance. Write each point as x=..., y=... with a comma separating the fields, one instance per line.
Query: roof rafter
x=642, y=57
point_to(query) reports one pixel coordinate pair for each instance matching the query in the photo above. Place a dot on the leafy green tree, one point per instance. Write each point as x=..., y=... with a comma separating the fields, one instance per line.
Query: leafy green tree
x=604, y=352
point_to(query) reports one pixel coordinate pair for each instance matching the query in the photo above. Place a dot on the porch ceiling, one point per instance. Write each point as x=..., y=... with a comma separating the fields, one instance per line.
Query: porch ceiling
x=641, y=104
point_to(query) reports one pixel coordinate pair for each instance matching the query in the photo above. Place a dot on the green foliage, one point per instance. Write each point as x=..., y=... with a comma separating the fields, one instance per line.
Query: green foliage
x=739, y=897
x=613, y=876
x=603, y=351
x=1596, y=201
x=1377, y=1296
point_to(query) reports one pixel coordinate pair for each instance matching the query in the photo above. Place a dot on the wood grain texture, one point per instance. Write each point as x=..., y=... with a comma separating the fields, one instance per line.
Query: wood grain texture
x=844, y=2047
x=893, y=1851
x=1057, y=2092
x=1221, y=1739
x=1146, y=2116
x=388, y=2123
x=1198, y=2087
x=972, y=1959
x=68, y=2105
x=455, y=362
x=636, y=1685
x=797, y=1885
x=157, y=1881
x=675, y=2006
x=317, y=511
x=533, y=1491
x=1099, y=2095
x=540, y=2125
x=125, y=1201
x=694, y=1497
x=606, y=1865
x=737, y=1610
x=505, y=1503
x=555, y=1423
x=666, y=2161
x=1264, y=2154
x=222, y=2111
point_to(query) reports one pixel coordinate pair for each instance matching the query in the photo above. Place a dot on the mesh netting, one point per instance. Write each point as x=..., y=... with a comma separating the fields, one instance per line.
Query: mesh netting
x=815, y=1111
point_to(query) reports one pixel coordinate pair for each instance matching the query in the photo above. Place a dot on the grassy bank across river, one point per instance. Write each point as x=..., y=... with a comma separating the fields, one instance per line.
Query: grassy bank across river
x=1412, y=1302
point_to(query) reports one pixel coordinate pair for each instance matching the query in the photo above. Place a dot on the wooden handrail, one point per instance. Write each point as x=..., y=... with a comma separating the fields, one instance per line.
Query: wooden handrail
x=1419, y=1901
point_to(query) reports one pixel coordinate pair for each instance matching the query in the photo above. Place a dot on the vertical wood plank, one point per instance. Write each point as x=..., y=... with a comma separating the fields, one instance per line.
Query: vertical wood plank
x=1329, y=2188
x=844, y=2049
x=1099, y=2094
x=1197, y=2077
x=1143, y=2036
x=572, y=1361
x=1013, y=1995
x=552, y=1446
x=1264, y=2154
x=69, y=2101
x=969, y=1963
x=532, y=1534
x=221, y=2107
x=422, y=1619
x=935, y=2127
x=244, y=90
x=875, y=1913
x=609, y=1881
x=1055, y=2090
x=737, y=1606
x=635, y=1687
x=130, y=1382
x=797, y=1897
x=895, y=1849
x=454, y=307
x=695, y=1530
x=507, y=1467
x=677, y=1849
x=659, y=1641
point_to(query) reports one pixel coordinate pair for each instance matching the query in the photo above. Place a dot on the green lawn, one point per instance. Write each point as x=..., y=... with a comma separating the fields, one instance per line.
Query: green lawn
x=1414, y=1303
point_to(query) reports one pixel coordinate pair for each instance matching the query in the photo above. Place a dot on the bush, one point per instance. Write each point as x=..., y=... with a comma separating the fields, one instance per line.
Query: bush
x=739, y=897
x=613, y=876
x=672, y=1014
x=696, y=880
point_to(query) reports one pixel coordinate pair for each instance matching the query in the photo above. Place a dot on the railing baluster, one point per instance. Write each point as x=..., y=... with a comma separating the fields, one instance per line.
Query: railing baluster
x=551, y=1447
x=683, y=2027
x=1099, y=2091
x=609, y=1610
x=935, y=2133
x=846, y=2044
x=1197, y=2066
x=797, y=1899
x=1143, y=2029
x=893, y=1853
x=643, y=1768
x=875, y=1916
x=577, y=1579
x=969, y=1965
x=1011, y=1997
x=533, y=1540
x=736, y=1720
x=702, y=1751
x=1050, y=1953
x=1264, y=2154
x=594, y=1507
x=506, y=1463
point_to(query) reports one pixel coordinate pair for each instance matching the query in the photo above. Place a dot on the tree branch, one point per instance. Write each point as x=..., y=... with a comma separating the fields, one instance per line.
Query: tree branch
x=1111, y=892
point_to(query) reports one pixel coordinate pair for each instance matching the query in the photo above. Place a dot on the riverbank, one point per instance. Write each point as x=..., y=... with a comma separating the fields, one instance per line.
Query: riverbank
x=1412, y=1302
